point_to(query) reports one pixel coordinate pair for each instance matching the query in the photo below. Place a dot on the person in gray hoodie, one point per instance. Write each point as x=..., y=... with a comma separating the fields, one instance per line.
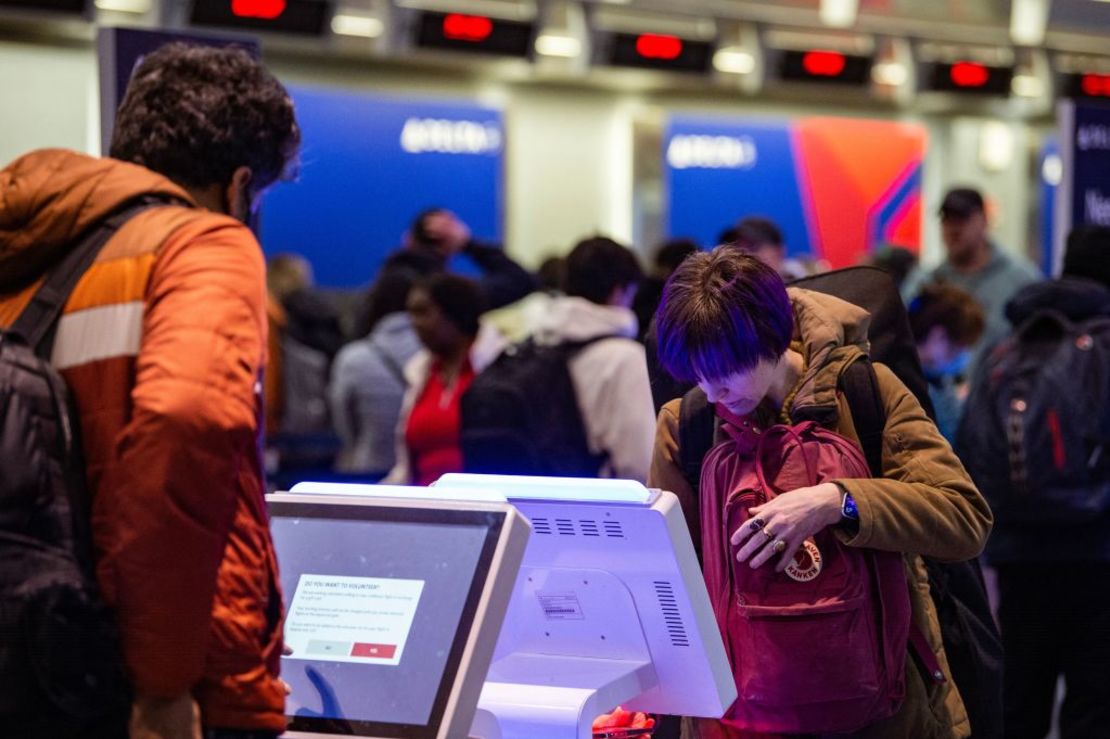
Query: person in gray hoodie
x=368, y=381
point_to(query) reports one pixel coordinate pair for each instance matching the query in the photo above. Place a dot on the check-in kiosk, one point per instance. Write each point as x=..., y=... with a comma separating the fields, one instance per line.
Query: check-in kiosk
x=610, y=608
x=394, y=602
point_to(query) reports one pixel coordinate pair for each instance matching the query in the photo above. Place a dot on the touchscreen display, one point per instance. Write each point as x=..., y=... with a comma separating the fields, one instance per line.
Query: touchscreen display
x=373, y=612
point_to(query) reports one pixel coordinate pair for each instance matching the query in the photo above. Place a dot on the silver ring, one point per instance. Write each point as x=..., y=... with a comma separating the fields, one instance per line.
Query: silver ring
x=768, y=534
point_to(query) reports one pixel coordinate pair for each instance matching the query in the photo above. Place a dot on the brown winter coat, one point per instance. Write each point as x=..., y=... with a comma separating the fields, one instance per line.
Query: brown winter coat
x=925, y=504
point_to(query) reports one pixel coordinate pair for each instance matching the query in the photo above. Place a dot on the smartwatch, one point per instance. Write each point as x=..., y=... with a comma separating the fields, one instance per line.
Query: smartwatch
x=848, y=508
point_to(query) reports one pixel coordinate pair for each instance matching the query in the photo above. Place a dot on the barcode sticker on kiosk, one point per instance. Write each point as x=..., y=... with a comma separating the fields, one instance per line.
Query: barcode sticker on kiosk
x=560, y=606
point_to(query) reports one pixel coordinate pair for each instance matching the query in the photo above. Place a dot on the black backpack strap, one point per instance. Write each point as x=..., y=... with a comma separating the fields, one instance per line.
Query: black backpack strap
x=37, y=322
x=860, y=385
x=570, y=348
x=697, y=427
x=391, y=364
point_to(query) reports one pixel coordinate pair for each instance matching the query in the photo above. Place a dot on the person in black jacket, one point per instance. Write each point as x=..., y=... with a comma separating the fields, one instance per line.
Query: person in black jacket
x=1054, y=578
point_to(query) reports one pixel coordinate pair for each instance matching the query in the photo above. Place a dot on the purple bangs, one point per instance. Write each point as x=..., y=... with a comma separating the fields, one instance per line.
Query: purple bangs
x=722, y=312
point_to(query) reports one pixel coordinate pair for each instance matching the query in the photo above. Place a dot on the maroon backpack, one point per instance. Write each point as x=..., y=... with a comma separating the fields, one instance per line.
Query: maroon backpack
x=822, y=646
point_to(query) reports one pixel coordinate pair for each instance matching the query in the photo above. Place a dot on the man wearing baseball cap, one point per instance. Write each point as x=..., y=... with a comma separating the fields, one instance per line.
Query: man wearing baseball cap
x=975, y=263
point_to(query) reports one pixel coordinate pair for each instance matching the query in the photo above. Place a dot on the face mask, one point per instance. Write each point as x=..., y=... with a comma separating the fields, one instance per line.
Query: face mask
x=954, y=367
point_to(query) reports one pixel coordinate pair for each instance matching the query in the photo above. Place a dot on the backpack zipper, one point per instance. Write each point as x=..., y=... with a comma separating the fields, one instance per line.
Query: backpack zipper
x=1015, y=438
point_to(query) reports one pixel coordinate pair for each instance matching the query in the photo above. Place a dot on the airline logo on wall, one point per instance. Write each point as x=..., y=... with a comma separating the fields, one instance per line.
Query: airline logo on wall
x=838, y=187
x=444, y=136
x=1094, y=136
x=712, y=152
x=369, y=164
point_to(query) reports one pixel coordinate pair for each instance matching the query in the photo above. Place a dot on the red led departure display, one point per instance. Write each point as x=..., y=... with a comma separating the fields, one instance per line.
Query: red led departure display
x=264, y=9
x=969, y=74
x=971, y=77
x=822, y=65
x=653, y=46
x=474, y=33
x=1087, y=85
x=470, y=28
x=307, y=17
x=1095, y=85
x=658, y=51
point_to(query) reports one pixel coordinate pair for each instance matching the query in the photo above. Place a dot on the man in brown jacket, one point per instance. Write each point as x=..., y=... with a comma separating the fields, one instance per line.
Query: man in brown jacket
x=162, y=344
x=765, y=353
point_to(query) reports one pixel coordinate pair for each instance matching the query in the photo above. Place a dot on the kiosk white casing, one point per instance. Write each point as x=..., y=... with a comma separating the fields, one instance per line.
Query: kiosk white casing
x=610, y=608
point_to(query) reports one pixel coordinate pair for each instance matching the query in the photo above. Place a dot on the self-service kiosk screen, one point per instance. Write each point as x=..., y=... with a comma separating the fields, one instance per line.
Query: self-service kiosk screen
x=379, y=604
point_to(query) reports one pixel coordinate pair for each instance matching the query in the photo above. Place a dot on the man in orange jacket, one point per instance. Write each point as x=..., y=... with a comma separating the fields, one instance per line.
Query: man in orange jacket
x=162, y=344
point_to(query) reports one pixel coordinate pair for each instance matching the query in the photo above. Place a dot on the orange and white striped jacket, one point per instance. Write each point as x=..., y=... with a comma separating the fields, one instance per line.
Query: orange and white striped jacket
x=162, y=344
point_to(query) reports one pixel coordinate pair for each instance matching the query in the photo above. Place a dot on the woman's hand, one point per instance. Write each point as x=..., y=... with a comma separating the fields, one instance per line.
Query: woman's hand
x=791, y=518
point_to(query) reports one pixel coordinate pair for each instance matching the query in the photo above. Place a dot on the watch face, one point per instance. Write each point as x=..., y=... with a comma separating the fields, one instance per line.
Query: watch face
x=848, y=507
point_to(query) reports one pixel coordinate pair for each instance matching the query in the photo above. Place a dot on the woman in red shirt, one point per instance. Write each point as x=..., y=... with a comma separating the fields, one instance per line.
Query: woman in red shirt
x=445, y=312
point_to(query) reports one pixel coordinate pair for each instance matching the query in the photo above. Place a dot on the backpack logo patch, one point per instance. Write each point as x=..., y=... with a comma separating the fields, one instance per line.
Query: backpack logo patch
x=806, y=564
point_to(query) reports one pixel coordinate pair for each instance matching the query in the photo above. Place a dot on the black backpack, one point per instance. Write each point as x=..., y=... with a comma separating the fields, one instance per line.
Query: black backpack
x=305, y=372
x=520, y=416
x=971, y=638
x=61, y=667
x=1036, y=429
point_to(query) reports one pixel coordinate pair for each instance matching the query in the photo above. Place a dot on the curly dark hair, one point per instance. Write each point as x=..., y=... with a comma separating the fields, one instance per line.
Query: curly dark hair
x=197, y=113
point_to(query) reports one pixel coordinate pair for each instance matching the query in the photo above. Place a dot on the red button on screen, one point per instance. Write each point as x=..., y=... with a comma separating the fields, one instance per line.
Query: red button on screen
x=379, y=651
